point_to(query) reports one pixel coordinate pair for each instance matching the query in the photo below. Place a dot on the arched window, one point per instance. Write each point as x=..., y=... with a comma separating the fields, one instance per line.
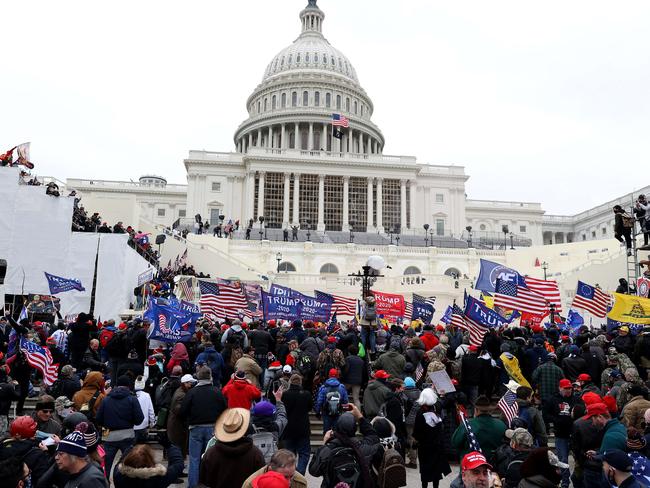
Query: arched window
x=290, y=58
x=317, y=99
x=329, y=268
x=294, y=99
x=265, y=104
x=362, y=110
x=284, y=100
x=259, y=106
x=315, y=58
x=305, y=98
x=482, y=227
x=282, y=62
x=328, y=100
x=307, y=58
x=287, y=267
x=355, y=107
x=333, y=62
x=298, y=58
x=338, y=102
x=412, y=270
x=273, y=100
x=453, y=272
x=347, y=104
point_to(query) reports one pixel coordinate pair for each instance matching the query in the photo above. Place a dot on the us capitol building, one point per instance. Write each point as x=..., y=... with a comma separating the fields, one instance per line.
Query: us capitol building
x=345, y=193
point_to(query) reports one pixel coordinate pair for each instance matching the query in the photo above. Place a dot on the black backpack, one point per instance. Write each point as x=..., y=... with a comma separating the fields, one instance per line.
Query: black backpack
x=236, y=338
x=304, y=364
x=344, y=467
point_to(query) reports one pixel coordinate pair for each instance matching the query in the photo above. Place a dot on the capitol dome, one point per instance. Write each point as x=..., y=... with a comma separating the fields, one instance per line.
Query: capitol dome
x=302, y=87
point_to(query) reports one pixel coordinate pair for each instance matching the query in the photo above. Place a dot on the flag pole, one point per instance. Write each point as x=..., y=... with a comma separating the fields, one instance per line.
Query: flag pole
x=91, y=311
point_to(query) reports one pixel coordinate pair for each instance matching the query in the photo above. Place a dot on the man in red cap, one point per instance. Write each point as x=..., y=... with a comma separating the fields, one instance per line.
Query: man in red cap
x=559, y=408
x=614, y=437
x=475, y=470
x=376, y=394
x=587, y=384
x=330, y=400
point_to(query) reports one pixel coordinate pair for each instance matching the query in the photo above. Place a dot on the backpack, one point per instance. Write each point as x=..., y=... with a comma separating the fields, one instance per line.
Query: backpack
x=333, y=406
x=370, y=313
x=105, y=337
x=628, y=221
x=327, y=364
x=265, y=442
x=87, y=407
x=392, y=471
x=344, y=467
x=304, y=364
x=236, y=338
x=159, y=392
x=525, y=421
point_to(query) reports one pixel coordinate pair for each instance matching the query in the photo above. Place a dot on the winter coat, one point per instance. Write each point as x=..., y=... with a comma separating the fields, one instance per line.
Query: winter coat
x=298, y=403
x=69, y=386
x=632, y=414
x=120, y=410
x=297, y=480
x=374, y=396
x=214, y=361
x=585, y=437
x=93, y=361
x=89, y=477
x=229, y=464
x=176, y=426
x=392, y=362
x=158, y=476
x=147, y=410
x=353, y=370
x=414, y=354
x=27, y=450
x=94, y=381
x=261, y=341
x=537, y=481
x=429, y=340
x=471, y=367
x=8, y=393
x=330, y=385
x=573, y=367
x=241, y=394
x=249, y=366
x=559, y=410
x=275, y=424
x=489, y=433
x=433, y=466
x=536, y=424
x=615, y=436
x=312, y=347
x=203, y=404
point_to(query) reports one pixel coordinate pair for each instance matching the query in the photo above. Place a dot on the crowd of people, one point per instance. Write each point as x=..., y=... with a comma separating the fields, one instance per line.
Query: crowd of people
x=233, y=406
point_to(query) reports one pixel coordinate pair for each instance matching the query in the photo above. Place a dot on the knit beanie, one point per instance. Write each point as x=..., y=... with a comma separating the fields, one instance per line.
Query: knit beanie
x=74, y=444
x=409, y=382
x=263, y=409
x=91, y=436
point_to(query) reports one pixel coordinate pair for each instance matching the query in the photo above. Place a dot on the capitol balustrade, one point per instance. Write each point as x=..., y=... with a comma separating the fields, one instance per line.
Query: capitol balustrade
x=302, y=154
x=75, y=183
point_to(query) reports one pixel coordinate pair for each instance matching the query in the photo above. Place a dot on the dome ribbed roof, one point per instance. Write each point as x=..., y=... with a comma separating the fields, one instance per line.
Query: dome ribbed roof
x=311, y=51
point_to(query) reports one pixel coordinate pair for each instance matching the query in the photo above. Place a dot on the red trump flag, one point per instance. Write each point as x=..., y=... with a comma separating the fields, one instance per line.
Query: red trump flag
x=389, y=304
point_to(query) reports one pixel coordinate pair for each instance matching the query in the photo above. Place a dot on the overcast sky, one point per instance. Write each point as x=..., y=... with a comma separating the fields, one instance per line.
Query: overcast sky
x=539, y=101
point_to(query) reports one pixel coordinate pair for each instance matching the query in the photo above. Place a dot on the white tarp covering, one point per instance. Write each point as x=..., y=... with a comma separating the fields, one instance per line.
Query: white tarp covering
x=35, y=237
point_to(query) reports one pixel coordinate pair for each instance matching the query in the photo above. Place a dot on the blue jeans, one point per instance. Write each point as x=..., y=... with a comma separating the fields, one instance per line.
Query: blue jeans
x=329, y=422
x=562, y=450
x=199, y=437
x=368, y=339
x=472, y=395
x=302, y=450
x=111, y=449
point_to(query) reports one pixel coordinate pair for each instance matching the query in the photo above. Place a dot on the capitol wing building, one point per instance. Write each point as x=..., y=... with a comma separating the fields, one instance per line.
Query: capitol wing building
x=291, y=170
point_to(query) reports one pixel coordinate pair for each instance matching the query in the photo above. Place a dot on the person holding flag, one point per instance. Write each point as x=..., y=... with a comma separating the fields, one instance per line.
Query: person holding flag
x=487, y=430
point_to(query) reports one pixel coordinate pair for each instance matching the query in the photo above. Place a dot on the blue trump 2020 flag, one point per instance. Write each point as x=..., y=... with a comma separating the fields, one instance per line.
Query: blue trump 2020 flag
x=59, y=285
x=316, y=309
x=422, y=309
x=490, y=272
x=483, y=315
x=280, y=307
x=172, y=320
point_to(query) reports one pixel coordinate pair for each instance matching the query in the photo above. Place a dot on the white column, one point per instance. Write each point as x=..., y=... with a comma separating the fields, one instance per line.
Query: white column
x=321, y=203
x=296, y=199
x=250, y=196
x=259, y=137
x=285, y=201
x=344, y=143
x=250, y=139
x=296, y=143
x=360, y=142
x=346, y=204
x=414, y=190
x=269, y=139
x=350, y=141
x=402, y=203
x=260, y=195
x=323, y=140
x=380, y=223
x=369, y=225
x=283, y=137
x=310, y=140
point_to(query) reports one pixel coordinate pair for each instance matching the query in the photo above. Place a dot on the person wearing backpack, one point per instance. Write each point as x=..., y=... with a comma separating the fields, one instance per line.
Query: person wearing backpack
x=391, y=361
x=268, y=422
x=213, y=360
x=345, y=457
x=391, y=470
x=235, y=335
x=623, y=225
x=90, y=397
x=297, y=433
x=353, y=371
x=330, y=400
x=532, y=416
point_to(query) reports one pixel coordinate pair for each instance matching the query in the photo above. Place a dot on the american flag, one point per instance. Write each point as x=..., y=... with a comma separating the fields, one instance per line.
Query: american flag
x=187, y=290
x=419, y=299
x=591, y=299
x=340, y=121
x=640, y=468
x=183, y=260
x=408, y=310
x=223, y=300
x=41, y=359
x=419, y=372
x=342, y=305
x=510, y=295
x=476, y=331
x=508, y=405
x=549, y=289
x=471, y=438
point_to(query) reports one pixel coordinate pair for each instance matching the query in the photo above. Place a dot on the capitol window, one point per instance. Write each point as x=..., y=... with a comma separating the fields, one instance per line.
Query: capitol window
x=287, y=268
x=317, y=98
x=290, y=58
x=294, y=99
x=355, y=107
x=316, y=58
x=273, y=100
x=482, y=227
x=412, y=270
x=305, y=98
x=284, y=100
x=182, y=213
x=329, y=268
x=328, y=100
x=258, y=107
x=161, y=212
x=604, y=231
x=216, y=186
x=266, y=104
x=347, y=104
x=440, y=198
x=282, y=62
x=333, y=62
x=307, y=58
x=338, y=102
x=440, y=227
x=522, y=229
x=361, y=110
x=297, y=58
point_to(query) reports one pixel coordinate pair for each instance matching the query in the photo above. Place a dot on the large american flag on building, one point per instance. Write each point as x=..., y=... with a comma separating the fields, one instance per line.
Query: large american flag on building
x=40, y=358
x=549, y=289
x=223, y=300
x=591, y=299
x=339, y=120
x=476, y=331
x=508, y=405
x=508, y=294
x=340, y=305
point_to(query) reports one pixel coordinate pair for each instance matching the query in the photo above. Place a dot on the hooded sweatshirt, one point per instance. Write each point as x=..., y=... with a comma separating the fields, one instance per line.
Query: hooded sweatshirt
x=228, y=464
x=241, y=393
x=332, y=384
x=94, y=382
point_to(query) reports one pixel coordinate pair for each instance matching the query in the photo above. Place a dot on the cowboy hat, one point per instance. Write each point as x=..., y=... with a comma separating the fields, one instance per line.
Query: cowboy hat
x=232, y=424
